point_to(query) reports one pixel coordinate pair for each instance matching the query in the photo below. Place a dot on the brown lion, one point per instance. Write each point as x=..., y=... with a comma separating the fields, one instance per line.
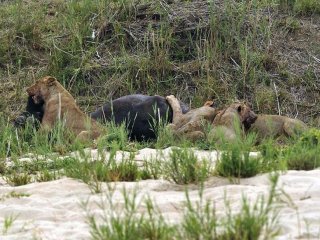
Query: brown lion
x=191, y=124
x=59, y=105
x=275, y=126
x=231, y=119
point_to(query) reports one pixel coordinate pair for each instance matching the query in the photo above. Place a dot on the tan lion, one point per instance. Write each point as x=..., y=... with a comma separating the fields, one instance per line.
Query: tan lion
x=275, y=126
x=231, y=119
x=191, y=124
x=60, y=105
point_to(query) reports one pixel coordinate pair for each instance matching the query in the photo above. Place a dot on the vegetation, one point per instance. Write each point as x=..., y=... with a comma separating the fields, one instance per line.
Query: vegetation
x=199, y=221
x=304, y=154
x=197, y=50
x=183, y=167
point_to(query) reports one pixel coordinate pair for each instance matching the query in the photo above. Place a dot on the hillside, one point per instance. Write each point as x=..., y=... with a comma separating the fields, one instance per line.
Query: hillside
x=265, y=51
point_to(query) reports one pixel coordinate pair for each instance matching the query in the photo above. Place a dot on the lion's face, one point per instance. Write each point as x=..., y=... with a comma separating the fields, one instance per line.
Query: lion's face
x=247, y=116
x=40, y=90
x=209, y=103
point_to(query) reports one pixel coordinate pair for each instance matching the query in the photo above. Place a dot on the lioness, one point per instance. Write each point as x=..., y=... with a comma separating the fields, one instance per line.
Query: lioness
x=190, y=124
x=230, y=119
x=274, y=126
x=60, y=105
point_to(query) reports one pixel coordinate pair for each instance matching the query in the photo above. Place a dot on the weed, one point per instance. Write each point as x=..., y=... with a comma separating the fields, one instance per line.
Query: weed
x=183, y=167
x=200, y=220
x=116, y=135
x=301, y=158
x=129, y=224
x=235, y=160
x=14, y=194
x=46, y=176
x=236, y=163
x=7, y=224
x=104, y=170
x=124, y=220
x=271, y=156
x=18, y=179
x=152, y=168
x=305, y=153
x=255, y=219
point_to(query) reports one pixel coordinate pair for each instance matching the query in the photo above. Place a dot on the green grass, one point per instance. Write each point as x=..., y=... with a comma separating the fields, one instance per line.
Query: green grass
x=8, y=223
x=254, y=220
x=305, y=153
x=18, y=179
x=230, y=51
x=227, y=54
x=184, y=167
x=307, y=7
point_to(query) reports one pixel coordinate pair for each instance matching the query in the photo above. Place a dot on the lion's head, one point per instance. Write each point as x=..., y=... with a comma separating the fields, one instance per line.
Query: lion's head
x=40, y=90
x=246, y=115
x=209, y=103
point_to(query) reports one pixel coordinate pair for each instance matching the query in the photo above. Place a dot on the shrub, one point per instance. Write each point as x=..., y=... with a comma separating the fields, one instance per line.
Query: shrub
x=254, y=219
x=129, y=224
x=236, y=163
x=104, y=170
x=271, y=156
x=305, y=153
x=183, y=167
x=18, y=179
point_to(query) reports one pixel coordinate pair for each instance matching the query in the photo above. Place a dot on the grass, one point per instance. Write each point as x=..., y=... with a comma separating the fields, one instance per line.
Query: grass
x=183, y=167
x=304, y=154
x=7, y=223
x=14, y=194
x=307, y=7
x=227, y=54
x=254, y=220
x=18, y=179
x=222, y=50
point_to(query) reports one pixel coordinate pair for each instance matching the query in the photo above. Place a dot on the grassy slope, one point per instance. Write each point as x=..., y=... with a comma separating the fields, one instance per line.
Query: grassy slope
x=265, y=51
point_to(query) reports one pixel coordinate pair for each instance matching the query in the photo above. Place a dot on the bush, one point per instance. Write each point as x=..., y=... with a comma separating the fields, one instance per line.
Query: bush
x=236, y=163
x=305, y=153
x=271, y=156
x=183, y=167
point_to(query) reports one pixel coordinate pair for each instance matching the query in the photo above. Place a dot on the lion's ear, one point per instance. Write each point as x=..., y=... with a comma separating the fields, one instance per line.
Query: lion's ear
x=51, y=81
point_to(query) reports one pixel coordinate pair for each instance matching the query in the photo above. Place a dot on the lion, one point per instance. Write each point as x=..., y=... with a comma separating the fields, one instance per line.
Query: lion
x=191, y=124
x=60, y=105
x=276, y=126
x=230, y=120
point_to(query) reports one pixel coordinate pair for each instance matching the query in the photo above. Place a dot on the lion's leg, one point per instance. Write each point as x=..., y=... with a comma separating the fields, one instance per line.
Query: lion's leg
x=83, y=136
x=195, y=135
x=47, y=123
x=176, y=109
x=190, y=127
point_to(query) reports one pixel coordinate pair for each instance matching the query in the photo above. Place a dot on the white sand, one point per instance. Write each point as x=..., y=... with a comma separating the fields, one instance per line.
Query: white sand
x=53, y=210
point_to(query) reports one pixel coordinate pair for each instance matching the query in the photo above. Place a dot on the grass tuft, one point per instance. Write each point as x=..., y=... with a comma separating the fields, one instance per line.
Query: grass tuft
x=305, y=153
x=183, y=167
